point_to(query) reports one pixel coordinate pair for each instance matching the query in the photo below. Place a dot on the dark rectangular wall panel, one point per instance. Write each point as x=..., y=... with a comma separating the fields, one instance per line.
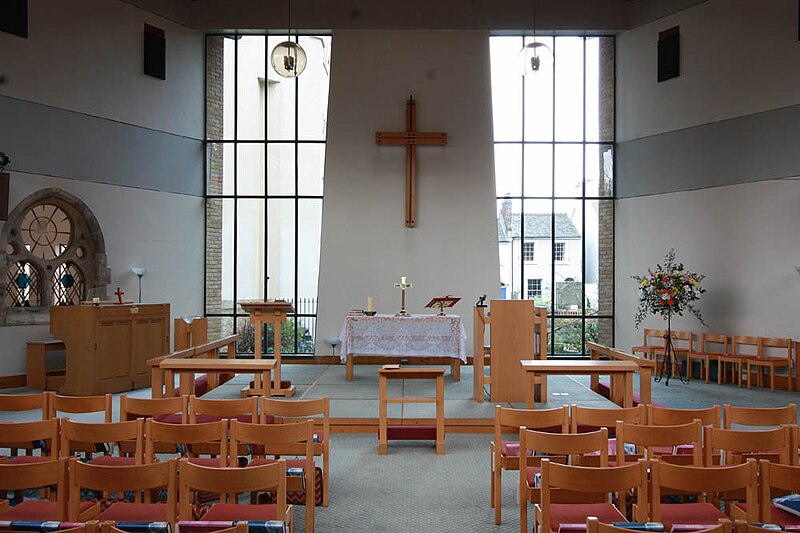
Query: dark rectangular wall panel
x=739, y=150
x=14, y=17
x=4, y=195
x=50, y=141
x=155, y=52
x=669, y=54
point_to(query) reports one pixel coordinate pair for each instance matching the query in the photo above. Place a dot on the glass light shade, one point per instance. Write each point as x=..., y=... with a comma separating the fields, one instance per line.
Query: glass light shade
x=288, y=59
x=535, y=57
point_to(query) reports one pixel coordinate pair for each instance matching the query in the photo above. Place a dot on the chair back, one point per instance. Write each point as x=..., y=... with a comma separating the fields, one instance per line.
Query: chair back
x=22, y=435
x=654, y=337
x=275, y=439
x=144, y=478
x=667, y=416
x=228, y=481
x=650, y=438
x=714, y=343
x=76, y=435
x=745, y=345
x=583, y=419
x=776, y=476
x=571, y=445
x=131, y=408
x=593, y=480
x=80, y=405
x=37, y=475
x=509, y=420
x=738, y=444
x=26, y=402
x=699, y=480
x=207, y=410
x=187, y=438
x=682, y=340
x=318, y=410
x=776, y=347
x=759, y=416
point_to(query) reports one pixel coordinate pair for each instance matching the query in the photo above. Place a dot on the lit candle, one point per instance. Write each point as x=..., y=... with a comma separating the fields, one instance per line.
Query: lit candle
x=370, y=303
x=403, y=280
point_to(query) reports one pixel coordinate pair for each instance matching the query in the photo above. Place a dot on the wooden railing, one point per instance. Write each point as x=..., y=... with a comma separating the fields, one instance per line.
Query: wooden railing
x=209, y=350
x=646, y=368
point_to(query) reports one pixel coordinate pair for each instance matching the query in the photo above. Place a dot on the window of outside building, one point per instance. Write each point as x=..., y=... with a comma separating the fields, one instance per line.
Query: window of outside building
x=554, y=171
x=265, y=154
x=558, y=251
x=527, y=251
x=534, y=288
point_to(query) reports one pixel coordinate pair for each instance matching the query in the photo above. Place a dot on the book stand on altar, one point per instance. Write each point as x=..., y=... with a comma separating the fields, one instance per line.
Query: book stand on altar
x=269, y=313
x=442, y=303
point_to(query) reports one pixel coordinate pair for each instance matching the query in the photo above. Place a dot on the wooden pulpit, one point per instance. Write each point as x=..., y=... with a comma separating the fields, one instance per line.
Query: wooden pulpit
x=269, y=313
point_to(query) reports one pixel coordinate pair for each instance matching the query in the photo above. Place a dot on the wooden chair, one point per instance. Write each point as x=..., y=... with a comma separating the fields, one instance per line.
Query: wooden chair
x=736, y=445
x=295, y=439
x=759, y=416
x=173, y=410
x=771, y=361
x=590, y=481
x=712, y=346
x=661, y=441
x=595, y=526
x=27, y=436
x=228, y=481
x=653, y=342
x=38, y=475
x=667, y=416
x=568, y=445
x=71, y=405
x=784, y=478
x=738, y=358
x=188, y=440
x=505, y=454
x=26, y=402
x=139, y=478
x=91, y=438
x=703, y=481
x=318, y=410
x=205, y=410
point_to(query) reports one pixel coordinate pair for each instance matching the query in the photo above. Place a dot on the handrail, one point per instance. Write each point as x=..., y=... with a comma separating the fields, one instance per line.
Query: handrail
x=212, y=348
x=646, y=368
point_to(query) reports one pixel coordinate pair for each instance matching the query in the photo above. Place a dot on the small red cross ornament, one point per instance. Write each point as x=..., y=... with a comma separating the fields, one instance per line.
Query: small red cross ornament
x=119, y=294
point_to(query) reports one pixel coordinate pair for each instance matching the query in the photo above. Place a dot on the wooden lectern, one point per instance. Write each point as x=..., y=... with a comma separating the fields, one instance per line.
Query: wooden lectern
x=269, y=313
x=518, y=331
x=108, y=345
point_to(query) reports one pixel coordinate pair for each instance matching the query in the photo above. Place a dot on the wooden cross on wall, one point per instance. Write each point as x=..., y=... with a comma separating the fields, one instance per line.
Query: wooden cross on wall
x=410, y=139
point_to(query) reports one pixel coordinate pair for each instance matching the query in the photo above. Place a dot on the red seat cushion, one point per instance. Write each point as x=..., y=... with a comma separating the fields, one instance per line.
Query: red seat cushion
x=576, y=513
x=37, y=510
x=530, y=474
x=174, y=418
x=110, y=460
x=782, y=518
x=135, y=512
x=205, y=461
x=689, y=513
x=27, y=459
x=234, y=511
x=201, y=418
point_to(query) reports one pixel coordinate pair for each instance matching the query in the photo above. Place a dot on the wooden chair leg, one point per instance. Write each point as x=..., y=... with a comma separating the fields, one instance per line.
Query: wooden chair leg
x=498, y=494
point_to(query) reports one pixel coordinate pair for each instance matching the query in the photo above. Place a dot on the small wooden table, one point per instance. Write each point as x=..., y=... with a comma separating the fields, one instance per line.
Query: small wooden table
x=187, y=368
x=385, y=374
x=621, y=373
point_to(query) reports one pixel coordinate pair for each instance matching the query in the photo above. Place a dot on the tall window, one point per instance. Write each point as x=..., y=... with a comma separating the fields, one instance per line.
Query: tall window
x=534, y=288
x=265, y=153
x=554, y=134
x=527, y=251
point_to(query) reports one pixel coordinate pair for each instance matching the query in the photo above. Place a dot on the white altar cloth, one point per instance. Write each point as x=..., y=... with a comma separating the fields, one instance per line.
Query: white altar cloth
x=414, y=335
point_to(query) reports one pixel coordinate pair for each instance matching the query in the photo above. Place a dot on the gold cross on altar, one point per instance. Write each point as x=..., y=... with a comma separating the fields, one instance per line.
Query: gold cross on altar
x=410, y=139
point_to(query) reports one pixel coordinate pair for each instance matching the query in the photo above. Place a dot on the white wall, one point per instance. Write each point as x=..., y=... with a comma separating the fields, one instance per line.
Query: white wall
x=161, y=231
x=738, y=57
x=87, y=56
x=744, y=238
x=365, y=244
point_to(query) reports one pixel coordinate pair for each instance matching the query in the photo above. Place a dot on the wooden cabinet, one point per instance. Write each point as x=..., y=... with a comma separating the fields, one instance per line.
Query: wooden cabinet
x=108, y=345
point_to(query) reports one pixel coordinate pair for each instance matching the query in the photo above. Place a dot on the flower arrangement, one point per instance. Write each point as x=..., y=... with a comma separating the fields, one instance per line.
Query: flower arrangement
x=669, y=290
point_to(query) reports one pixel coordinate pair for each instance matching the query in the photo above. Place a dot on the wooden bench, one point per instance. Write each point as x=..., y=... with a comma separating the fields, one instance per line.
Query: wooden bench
x=646, y=369
x=187, y=368
x=209, y=350
x=38, y=376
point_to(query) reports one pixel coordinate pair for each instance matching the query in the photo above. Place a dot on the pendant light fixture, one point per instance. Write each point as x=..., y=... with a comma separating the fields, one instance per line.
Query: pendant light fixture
x=288, y=58
x=535, y=55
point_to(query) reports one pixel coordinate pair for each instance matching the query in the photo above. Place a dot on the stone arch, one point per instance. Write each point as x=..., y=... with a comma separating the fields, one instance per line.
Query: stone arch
x=85, y=249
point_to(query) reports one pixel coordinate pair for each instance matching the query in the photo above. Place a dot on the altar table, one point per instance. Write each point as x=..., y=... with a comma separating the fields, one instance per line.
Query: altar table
x=621, y=373
x=404, y=336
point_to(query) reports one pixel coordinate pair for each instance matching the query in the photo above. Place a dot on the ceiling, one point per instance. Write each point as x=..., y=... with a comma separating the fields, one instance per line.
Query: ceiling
x=552, y=16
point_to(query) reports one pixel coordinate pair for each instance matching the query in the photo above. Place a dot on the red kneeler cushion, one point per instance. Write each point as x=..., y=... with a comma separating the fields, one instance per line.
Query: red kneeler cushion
x=285, y=384
x=777, y=516
x=411, y=432
x=135, y=512
x=689, y=513
x=571, y=513
x=230, y=512
x=37, y=510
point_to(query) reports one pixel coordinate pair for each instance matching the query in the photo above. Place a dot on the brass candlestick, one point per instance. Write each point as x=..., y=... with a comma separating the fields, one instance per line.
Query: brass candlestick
x=403, y=286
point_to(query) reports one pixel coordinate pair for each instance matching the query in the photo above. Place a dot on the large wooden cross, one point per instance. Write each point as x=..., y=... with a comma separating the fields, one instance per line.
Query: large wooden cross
x=410, y=139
